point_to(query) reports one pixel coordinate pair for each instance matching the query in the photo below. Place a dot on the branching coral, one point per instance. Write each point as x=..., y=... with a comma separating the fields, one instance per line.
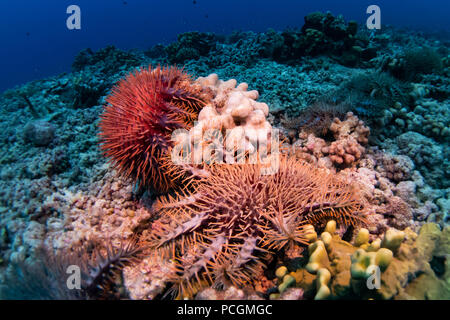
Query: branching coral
x=141, y=113
x=228, y=226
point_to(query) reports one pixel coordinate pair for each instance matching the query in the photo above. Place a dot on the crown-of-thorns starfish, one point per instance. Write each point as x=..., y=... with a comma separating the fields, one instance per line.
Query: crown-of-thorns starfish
x=224, y=229
x=140, y=115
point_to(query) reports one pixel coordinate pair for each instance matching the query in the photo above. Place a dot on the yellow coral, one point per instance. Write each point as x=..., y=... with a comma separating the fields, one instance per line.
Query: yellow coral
x=288, y=280
x=393, y=239
x=323, y=278
x=362, y=238
x=281, y=272
x=364, y=263
x=331, y=227
x=318, y=256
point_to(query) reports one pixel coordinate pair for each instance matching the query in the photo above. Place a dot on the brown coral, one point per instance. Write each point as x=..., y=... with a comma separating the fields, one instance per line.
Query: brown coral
x=227, y=227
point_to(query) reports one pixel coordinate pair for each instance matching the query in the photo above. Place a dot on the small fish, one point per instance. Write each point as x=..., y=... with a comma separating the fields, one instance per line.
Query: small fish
x=194, y=2
x=125, y=3
x=206, y=16
x=28, y=34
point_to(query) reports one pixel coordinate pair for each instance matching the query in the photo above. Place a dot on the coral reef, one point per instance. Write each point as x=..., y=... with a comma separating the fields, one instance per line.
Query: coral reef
x=370, y=93
x=58, y=193
x=315, y=119
x=110, y=60
x=413, y=62
x=190, y=45
x=322, y=33
x=39, y=132
x=427, y=155
x=345, y=149
x=397, y=212
x=403, y=261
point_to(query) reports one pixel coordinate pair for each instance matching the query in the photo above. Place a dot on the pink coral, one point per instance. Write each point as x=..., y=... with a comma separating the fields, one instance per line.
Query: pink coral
x=397, y=212
x=344, y=151
x=351, y=126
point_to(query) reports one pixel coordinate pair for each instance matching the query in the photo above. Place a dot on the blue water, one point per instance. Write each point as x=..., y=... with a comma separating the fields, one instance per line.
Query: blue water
x=36, y=43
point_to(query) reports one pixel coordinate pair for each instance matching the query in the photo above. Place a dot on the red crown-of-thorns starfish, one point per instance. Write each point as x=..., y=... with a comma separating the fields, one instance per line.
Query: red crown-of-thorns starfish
x=140, y=115
x=224, y=230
